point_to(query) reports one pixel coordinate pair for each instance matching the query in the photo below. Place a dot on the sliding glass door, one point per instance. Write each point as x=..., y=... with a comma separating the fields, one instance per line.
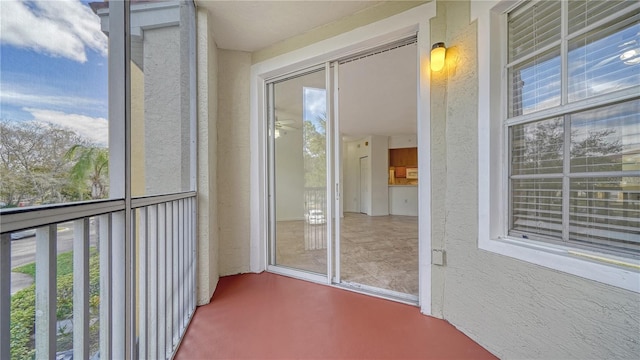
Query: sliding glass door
x=299, y=217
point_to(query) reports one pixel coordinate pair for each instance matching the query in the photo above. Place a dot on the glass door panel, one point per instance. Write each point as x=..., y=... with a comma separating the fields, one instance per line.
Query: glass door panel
x=298, y=173
x=376, y=157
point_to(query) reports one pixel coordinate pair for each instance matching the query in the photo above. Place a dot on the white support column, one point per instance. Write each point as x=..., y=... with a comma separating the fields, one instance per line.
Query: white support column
x=81, y=289
x=104, y=241
x=46, y=270
x=5, y=295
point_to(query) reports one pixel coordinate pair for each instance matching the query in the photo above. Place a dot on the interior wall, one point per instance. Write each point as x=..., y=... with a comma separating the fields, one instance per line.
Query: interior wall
x=233, y=161
x=513, y=308
x=379, y=177
x=351, y=174
x=289, y=175
x=207, y=70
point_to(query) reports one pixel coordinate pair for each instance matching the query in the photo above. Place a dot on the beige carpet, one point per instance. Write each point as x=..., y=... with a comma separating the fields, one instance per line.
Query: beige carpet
x=379, y=251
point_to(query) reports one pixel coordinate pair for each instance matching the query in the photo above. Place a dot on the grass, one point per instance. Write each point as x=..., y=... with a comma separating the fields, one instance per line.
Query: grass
x=65, y=265
x=23, y=306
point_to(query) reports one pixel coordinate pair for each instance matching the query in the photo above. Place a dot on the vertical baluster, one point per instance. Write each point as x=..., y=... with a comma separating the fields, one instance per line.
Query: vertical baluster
x=194, y=256
x=152, y=299
x=181, y=264
x=104, y=241
x=46, y=272
x=143, y=241
x=119, y=298
x=169, y=280
x=81, y=289
x=161, y=280
x=5, y=295
x=176, y=273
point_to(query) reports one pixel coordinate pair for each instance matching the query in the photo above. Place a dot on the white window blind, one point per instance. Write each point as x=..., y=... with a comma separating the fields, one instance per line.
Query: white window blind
x=574, y=177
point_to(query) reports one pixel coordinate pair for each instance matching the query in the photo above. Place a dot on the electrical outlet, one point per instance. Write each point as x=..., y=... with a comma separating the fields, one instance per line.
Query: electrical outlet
x=438, y=257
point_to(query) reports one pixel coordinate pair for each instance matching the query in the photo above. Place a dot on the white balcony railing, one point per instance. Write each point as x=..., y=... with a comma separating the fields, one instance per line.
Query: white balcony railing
x=158, y=290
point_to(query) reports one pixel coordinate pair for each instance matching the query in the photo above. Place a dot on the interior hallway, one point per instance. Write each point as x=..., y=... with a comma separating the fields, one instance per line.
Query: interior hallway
x=268, y=316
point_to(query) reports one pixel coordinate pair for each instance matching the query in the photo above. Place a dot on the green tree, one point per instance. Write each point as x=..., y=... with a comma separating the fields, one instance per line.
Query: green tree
x=33, y=167
x=315, y=153
x=90, y=170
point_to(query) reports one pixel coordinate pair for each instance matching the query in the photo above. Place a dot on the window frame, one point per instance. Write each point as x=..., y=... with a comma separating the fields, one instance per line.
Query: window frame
x=493, y=160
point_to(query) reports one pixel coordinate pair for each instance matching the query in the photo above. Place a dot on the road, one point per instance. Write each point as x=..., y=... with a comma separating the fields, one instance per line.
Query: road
x=23, y=251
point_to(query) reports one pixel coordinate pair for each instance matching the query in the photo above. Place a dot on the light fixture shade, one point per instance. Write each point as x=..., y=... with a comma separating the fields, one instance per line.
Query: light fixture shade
x=438, y=52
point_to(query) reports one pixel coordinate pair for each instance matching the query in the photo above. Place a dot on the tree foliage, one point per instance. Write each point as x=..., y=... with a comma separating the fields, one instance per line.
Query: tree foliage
x=35, y=167
x=315, y=154
x=90, y=170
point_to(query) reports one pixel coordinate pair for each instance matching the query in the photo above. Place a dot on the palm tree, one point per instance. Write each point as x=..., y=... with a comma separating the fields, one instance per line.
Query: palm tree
x=90, y=170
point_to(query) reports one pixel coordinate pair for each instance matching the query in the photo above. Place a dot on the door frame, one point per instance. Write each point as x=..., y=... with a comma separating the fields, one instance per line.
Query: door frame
x=396, y=27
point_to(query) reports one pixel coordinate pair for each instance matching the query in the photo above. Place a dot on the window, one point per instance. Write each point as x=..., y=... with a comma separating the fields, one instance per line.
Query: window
x=574, y=171
x=559, y=135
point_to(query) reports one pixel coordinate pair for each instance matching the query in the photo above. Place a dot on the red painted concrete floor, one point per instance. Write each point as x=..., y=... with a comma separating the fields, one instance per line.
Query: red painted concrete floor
x=267, y=316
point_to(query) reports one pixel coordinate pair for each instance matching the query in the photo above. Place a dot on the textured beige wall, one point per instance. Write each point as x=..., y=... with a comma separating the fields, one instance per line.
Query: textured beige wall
x=361, y=18
x=513, y=308
x=233, y=161
x=207, y=67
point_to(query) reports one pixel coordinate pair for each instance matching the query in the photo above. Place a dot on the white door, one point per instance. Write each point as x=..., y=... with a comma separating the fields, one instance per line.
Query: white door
x=364, y=185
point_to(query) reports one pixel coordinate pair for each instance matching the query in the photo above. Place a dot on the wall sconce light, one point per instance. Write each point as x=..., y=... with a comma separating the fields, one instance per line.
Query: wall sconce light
x=438, y=51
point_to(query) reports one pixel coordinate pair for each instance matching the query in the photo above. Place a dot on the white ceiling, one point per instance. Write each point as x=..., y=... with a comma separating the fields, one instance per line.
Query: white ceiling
x=253, y=25
x=378, y=95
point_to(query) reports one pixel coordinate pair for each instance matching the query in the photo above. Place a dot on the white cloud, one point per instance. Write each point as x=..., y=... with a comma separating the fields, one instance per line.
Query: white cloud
x=94, y=129
x=56, y=28
x=18, y=98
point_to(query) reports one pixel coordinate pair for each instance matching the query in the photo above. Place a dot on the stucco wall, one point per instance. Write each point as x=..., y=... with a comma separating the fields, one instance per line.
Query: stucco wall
x=233, y=161
x=514, y=309
x=207, y=66
x=165, y=114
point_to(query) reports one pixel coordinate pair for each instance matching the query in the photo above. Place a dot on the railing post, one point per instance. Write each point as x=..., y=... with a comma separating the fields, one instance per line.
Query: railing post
x=152, y=284
x=119, y=298
x=5, y=296
x=46, y=284
x=169, y=280
x=176, y=273
x=81, y=289
x=142, y=283
x=162, y=279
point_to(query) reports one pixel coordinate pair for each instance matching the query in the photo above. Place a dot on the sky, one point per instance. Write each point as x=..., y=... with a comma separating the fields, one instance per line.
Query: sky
x=315, y=106
x=53, y=66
